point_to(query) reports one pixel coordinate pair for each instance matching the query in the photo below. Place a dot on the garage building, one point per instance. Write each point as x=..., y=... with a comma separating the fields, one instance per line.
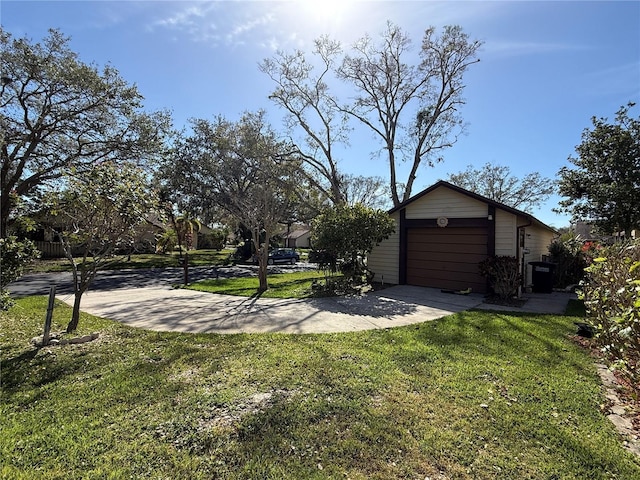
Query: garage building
x=443, y=232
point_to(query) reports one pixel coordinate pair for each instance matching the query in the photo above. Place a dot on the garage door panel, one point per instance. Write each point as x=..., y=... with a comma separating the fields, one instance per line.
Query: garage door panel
x=435, y=250
x=446, y=258
x=463, y=267
x=459, y=239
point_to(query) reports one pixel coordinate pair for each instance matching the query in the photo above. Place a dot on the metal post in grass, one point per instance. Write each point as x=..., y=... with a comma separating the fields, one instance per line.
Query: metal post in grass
x=49, y=316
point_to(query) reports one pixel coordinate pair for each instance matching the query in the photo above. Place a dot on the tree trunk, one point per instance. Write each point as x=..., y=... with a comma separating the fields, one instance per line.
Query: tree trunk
x=75, y=316
x=186, y=268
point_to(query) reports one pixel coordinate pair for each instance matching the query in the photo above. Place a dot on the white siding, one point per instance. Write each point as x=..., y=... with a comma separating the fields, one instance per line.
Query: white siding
x=385, y=258
x=506, y=233
x=444, y=202
x=537, y=241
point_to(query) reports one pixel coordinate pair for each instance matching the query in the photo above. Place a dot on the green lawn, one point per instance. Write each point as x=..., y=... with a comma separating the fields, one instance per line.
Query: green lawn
x=143, y=260
x=285, y=285
x=477, y=395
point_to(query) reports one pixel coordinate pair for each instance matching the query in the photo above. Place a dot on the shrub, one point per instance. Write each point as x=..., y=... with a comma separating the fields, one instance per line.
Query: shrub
x=15, y=256
x=213, y=240
x=347, y=234
x=503, y=275
x=611, y=293
x=569, y=257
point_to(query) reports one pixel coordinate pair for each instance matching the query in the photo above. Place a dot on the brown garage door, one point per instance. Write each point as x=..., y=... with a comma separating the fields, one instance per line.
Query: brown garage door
x=446, y=257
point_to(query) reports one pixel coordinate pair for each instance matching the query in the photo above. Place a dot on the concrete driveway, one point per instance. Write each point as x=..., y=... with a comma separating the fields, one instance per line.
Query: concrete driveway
x=162, y=308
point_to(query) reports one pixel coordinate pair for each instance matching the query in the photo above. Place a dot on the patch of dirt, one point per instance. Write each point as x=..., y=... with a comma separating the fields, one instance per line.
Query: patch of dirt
x=230, y=415
x=508, y=302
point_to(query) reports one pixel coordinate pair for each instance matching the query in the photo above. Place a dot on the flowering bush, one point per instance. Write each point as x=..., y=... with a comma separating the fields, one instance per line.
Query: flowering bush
x=611, y=292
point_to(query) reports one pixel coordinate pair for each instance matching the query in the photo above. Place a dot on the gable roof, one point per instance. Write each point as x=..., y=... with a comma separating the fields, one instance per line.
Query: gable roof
x=481, y=198
x=298, y=233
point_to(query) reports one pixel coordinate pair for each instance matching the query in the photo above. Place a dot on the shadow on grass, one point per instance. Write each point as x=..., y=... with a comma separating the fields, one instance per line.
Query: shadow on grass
x=537, y=338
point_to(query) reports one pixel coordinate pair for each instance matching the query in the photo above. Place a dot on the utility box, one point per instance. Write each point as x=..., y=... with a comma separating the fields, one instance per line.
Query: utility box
x=542, y=276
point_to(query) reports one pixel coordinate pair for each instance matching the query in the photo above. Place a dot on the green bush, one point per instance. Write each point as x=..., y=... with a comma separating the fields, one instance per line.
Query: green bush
x=213, y=240
x=503, y=274
x=346, y=235
x=15, y=256
x=611, y=293
x=568, y=255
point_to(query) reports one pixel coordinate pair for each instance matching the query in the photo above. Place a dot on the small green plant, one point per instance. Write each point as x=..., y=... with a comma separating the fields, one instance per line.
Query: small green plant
x=16, y=255
x=611, y=293
x=503, y=275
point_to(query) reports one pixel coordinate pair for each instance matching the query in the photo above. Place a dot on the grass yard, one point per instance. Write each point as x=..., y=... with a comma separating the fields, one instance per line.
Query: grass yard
x=284, y=285
x=142, y=260
x=477, y=395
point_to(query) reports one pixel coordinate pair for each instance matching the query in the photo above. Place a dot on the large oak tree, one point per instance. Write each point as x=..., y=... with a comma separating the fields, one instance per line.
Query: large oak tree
x=413, y=109
x=58, y=113
x=240, y=168
x=409, y=102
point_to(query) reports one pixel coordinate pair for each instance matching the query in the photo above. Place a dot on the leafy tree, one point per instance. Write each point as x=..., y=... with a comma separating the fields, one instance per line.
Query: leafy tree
x=604, y=188
x=348, y=234
x=97, y=216
x=497, y=183
x=15, y=255
x=215, y=239
x=412, y=109
x=59, y=113
x=240, y=168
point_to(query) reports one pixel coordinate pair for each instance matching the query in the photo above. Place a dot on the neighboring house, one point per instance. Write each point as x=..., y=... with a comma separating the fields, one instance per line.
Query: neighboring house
x=48, y=241
x=587, y=232
x=299, y=238
x=445, y=231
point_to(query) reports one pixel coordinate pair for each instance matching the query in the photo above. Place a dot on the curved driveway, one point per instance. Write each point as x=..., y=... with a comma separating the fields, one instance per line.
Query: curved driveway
x=168, y=309
x=146, y=299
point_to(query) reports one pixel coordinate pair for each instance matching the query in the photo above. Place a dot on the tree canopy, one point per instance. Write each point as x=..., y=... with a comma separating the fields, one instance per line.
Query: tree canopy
x=604, y=186
x=497, y=183
x=59, y=113
x=239, y=168
x=412, y=109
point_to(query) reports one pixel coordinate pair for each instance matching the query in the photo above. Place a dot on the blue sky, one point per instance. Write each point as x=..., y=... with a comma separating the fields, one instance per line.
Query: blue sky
x=546, y=67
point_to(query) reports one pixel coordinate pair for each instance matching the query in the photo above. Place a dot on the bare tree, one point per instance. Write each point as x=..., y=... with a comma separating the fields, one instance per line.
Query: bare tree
x=372, y=192
x=311, y=109
x=497, y=183
x=413, y=109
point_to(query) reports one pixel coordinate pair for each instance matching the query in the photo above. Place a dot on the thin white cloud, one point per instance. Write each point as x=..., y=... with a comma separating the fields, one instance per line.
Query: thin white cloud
x=243, y=29
x=616, y=80
x=511, y=48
